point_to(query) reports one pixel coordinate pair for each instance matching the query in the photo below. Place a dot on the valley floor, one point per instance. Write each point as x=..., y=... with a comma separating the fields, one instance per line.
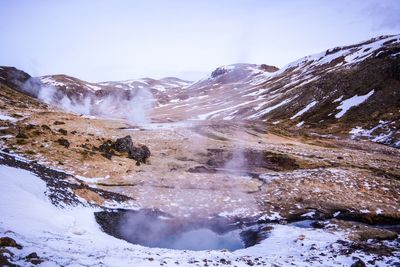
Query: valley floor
x=55, y=175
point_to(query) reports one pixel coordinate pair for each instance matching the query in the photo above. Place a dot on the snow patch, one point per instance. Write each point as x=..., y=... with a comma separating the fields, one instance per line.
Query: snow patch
x=269, y=109
x=352, y=102
x=93, y=87
x=381, y=133
x=4, y=117
x=304, y=110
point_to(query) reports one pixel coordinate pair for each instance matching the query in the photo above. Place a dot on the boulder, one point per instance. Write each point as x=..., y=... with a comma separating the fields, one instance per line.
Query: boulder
x=140, y=154
x=63, y=131
x=123, y=144
x=358, y=263
x=63, y=142
x=33, y=258
x=4, y=261
x=9, y=242
x=106, y=150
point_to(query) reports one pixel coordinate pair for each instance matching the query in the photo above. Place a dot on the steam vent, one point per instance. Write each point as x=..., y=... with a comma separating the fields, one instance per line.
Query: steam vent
x=281, y=163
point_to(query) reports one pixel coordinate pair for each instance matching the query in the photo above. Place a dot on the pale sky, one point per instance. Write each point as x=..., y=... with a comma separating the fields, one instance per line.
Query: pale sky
x=99, y=40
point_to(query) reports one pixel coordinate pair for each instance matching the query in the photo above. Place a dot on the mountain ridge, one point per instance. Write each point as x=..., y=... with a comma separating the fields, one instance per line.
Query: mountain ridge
x=304, y=96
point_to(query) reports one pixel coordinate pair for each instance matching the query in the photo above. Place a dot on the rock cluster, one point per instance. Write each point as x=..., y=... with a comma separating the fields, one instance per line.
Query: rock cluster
x=7, y=256
x=125, y=145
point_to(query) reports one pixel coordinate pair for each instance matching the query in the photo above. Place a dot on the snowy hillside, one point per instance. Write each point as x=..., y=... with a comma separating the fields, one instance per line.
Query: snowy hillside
x=334, y=91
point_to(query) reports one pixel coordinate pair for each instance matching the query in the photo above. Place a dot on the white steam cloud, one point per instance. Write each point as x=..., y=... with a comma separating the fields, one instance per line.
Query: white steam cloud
x=133, y=106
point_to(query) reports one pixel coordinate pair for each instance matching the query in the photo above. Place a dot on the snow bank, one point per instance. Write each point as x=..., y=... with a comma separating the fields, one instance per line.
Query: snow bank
x=347, y=104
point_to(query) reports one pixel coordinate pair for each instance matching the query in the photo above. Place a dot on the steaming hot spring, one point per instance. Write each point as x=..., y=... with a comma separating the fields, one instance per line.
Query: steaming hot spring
x=153, y=228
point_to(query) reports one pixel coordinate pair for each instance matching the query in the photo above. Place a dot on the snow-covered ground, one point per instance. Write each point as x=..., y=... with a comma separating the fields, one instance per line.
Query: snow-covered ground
x=71, y=236
x=386, y=133
x=4, y=117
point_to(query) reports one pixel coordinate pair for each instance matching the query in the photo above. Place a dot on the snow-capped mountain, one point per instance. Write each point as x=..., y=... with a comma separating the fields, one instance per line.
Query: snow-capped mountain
x=336, y=91
x=350, y=90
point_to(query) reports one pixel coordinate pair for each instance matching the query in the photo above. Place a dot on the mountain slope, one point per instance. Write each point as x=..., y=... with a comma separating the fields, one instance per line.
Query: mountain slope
x=345, y=91
x=320, y=93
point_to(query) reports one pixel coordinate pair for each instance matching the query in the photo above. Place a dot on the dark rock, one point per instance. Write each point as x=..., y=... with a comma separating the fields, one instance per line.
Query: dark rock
x=63, y=142
x=140, y=154
x=318, y=224
x=33, y=258
x=107, y=155
x=63, y=131
x=105, y=147
x=358, y=263
x=250, y=262
x=46, y=127
x=21, y=135
x=268, y=68
x=74, y=132
x=4, y=251
x=106, y=150
x=333, y=51
x=30, y=127
x=58, y=123
x=123, y=144
x=5, y=262
x=85, y=146
x=16, y=115
x=218, y=72
x=9, y=242
x=36, y=133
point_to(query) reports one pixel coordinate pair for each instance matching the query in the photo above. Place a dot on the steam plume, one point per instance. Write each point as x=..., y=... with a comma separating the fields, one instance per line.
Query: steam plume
x=133, y=106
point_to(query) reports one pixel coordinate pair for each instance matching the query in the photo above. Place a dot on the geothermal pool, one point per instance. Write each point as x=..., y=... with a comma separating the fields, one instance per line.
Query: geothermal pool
x=155, y=229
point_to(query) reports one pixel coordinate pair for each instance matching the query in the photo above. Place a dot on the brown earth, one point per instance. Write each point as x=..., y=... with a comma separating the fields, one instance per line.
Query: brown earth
x=272, y=174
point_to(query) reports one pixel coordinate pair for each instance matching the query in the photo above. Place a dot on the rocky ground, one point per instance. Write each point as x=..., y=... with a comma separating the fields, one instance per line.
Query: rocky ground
x=191, y=170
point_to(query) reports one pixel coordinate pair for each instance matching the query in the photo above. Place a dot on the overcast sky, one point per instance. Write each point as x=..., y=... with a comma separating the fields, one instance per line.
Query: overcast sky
x=98, y=40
